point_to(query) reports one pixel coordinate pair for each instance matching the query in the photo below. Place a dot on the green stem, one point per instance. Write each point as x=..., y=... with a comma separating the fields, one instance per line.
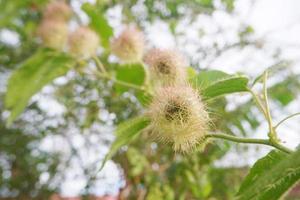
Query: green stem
x=238, y=139
x=281, y=147
x=258, y=102
x=123, y=83
x=267, y=108
x=103, y=74
x=272, y=132
x=249, y=141
x=286, y=118
x=99, y=65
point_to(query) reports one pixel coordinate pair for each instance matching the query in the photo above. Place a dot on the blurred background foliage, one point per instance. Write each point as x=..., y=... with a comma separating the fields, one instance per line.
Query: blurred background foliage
x=151, y=171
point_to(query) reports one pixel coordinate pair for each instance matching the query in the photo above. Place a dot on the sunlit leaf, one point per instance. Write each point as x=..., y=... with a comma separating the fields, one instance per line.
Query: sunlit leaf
x=99, y=23
x=135, y=74
x=206, y=3
x=36, y=72
x=286, y=91
x=207, y=78
x=226, y=86
x=191, y=73
x=215, y=83
x=130, y=73
x=271, y=176
x=229, y=4
x=143, y=97
x=125, y=133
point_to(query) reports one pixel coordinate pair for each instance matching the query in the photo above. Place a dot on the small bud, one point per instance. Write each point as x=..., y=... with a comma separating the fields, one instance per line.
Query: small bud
x=178, y=116
x=83, y=43
x=53, y=34
x=129, y=45
x=57, y=10
x=167, y=67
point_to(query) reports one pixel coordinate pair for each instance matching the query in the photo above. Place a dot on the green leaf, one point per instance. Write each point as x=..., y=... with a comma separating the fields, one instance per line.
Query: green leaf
x=36, y=72
x=229, y=4
x=137, y=160
x=191, y=73
x=207, y=78
x=271, y=177
x=144, y=98
x=286, y=91
x=134, y=74
x=205, y=3
x=130, y=73
x=216, y=83
x=282, y=93
x=99, y=23
x=125, y=133
x=226, y=86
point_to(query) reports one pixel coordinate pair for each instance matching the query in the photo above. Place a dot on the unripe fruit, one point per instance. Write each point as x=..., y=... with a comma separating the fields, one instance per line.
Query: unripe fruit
x=179, y=117
x=83, y=43
x=167, y=67
x=57, y=10
x=129, y=45
x=53, y=34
